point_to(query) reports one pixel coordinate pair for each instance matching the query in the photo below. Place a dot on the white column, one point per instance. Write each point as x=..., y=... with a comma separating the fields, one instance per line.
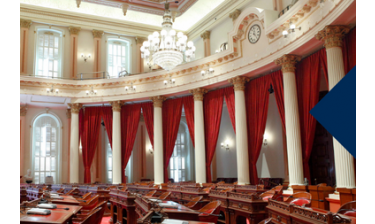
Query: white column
x=344, y=161
x=200, y=147
x=206, y=42
x=23, y=110
x=292, y=126
x=74, y=143
x=74, y=31
x=241, y=130
x=116, y=142
x=97, y=34
x=24, y=38
x=158, y=139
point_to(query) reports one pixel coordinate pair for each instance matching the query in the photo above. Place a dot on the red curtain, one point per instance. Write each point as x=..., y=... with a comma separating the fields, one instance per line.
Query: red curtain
x=323, y=64
x=171, y=121
x=278, y=87
x=188, y=103
x=308, y=85
x=107, y=116
x=89, y=138
x=257, y=96
x=148, y=114
x=349, y=50
x=229, y=99
x=212, y=107
x=130, y=115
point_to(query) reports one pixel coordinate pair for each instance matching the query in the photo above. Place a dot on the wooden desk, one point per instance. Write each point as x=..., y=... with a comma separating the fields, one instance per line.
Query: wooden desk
x=218, y=195
x=68, y=200
x=190, y=222
x=346, y=195
x=56, y=216
x=284, y=213
x=320, y=193
x=249, y=188
x=188, y=193
x=122, y=207
x=246, y=206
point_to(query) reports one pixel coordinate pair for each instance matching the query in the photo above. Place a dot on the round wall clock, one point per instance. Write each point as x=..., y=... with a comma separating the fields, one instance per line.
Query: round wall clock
x=254, y=34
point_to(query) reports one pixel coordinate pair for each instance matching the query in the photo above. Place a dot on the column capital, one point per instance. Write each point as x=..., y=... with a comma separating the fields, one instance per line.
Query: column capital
x=97, y=33
x=158, y=100
x=74, y=30
x=288, y=62
x=116, y=105
x=75, y=107
x=234, y=15
x=332, y=35
x=23, y=110
x=239, y=82
x=198, y=93
x=25, y=23
x=140, y=40
x=69, y=113
x=206, y=35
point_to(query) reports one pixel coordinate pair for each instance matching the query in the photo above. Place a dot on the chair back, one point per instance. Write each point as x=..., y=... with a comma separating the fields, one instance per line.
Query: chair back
x=90, y=203
x=150, y=193
x=210, y=212
x=348, y=209
x=86, y=196
x=278, y=188
x=99, y=215
x=164, y=196
x=267, y=195
x=194, y=201
x=300, y=199
x=91, y=218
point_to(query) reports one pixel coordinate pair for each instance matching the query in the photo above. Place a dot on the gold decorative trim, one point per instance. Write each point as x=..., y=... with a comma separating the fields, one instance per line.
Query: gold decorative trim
x=74, y=30
x=25, y=23
x=198, y=93
x=234, y=15
x=68, y=113
x=288, y=62
x=23, y=110
x=206, y=35
x=116, y=105
x=140, y=40
x=75, y=107
x=239, y=82
x=332, y=35
x=158, y=100
x=97, y=33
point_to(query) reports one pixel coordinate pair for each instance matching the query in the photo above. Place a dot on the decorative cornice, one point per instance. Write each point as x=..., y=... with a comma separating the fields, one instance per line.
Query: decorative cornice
x=74, y=30
x=25, y=23
x=198, y=93
x=239, y=82
x=75, y=107
x=69, y=113
x=23, y=110
x=332, y=35
x=158, y=100
x=288, y=62
x=140, y=40
x=234, y=15
x=206, y=35
x=116, y=105
x=97, y=33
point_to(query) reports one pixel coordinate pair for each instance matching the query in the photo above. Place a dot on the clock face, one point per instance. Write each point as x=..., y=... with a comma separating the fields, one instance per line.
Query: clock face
x=254, y=34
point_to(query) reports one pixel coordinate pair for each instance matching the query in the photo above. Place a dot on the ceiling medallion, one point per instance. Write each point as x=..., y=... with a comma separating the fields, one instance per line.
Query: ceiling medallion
x=168, y=51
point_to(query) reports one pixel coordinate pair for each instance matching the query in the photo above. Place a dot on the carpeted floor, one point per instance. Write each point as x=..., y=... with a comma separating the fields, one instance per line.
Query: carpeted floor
x=105, y=220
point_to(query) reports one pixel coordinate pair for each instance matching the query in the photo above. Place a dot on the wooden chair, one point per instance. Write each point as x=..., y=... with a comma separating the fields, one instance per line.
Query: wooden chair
x=300, y=199
x=90, y=219
x=90, y=203
x=164, y=196
x=266, y=221
x=191, y=204
x=85, y=212
x=278, y=188
x=348, y=209
x=84, y=197
x=210, y=212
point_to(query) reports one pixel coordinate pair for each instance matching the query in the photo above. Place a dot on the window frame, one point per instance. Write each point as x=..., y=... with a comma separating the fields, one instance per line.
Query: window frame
x=128, y=42
x=58, y=145
x=61, y=32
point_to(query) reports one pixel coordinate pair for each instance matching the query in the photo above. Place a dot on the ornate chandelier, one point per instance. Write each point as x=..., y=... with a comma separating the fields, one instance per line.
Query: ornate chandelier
x=168, y=50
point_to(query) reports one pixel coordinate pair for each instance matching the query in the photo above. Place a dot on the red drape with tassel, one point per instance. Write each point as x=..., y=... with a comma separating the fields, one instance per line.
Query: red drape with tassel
x=229, y=99
x=212, y=107
x=148, y=114
x=308, y=85
x=130, y=115
x=171, y=121
x=278, y=87
x=188, y=103
x=107, y=116
x=257, y=96
x=349, y=50
x=90, y=135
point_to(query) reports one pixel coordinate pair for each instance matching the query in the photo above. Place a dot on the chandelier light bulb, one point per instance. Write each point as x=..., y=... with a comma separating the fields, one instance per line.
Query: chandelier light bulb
x=190, y=44
x=172, y=33
x=179, y=34
x=155, y=34
x=163, y=33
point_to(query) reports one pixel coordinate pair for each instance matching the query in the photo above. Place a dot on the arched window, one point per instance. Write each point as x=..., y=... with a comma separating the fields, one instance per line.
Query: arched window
x=117, y=56
x=48, y=53
x=46, y=137
x=179, y=160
